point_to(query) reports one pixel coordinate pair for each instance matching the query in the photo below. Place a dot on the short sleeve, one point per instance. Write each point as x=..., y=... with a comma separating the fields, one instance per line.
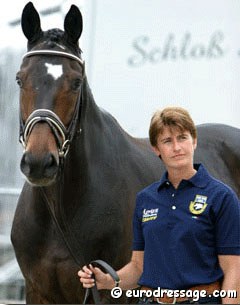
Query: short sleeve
x=228, y=225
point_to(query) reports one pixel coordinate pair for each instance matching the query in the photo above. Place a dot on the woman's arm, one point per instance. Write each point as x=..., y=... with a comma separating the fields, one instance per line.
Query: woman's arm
x=230, y=265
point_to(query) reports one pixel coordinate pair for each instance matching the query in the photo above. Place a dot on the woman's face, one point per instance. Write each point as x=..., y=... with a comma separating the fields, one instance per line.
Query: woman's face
x=176, y=148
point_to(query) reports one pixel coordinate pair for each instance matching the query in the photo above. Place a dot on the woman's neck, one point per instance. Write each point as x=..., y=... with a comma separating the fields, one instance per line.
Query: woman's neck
x=175, y=176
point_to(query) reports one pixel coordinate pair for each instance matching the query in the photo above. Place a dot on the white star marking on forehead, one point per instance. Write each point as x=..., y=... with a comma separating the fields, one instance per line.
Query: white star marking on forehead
x=55, y=70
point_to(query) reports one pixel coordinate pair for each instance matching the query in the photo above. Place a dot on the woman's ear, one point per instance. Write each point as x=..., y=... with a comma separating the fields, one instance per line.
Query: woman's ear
x=195, y=143
x=156, y=150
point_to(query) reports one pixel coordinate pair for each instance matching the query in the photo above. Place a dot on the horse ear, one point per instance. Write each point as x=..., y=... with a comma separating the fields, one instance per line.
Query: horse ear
x=73, y=24
x=30, y=21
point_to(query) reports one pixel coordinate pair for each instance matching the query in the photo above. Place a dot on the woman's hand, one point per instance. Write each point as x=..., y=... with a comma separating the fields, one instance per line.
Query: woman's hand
x=89, y=276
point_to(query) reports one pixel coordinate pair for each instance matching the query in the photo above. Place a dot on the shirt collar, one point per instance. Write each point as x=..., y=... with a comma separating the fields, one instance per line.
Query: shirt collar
x=164, y=181
x=200, y=179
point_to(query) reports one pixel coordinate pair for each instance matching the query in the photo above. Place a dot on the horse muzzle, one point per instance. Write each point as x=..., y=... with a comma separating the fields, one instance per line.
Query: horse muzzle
x=39, y=171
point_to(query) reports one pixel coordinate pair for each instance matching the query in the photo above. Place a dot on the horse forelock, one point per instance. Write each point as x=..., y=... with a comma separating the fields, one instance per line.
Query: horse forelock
x=54, y=35
x=55, y=39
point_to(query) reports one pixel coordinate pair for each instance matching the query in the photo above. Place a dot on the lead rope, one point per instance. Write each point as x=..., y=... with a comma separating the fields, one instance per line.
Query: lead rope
x=108, y=269
x=96, y=263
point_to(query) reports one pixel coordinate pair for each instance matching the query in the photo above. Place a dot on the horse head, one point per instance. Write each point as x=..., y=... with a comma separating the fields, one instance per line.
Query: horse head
x=50, y=80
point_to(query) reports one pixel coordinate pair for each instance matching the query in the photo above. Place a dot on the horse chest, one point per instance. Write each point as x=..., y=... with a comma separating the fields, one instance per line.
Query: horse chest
x=47, y=264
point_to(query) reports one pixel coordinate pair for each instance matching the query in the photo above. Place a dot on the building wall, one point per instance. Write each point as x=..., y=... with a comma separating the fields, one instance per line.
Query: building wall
x=142, y=55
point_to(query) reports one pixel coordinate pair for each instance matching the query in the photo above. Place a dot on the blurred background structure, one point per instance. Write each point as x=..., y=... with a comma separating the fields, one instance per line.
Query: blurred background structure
x=140, y=55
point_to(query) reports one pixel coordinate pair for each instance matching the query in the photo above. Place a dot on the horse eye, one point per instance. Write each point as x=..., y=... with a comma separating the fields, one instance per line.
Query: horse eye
x=76, y=84
x=19, y=82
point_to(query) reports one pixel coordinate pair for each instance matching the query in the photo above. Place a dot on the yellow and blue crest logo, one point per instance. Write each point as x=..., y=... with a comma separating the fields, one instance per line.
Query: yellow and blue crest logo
x=199, y=205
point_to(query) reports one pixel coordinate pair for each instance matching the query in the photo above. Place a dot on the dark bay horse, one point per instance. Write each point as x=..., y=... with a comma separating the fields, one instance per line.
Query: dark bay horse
x=83, y=170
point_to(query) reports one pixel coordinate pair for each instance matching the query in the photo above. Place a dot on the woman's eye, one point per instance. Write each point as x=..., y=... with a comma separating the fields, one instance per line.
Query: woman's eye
x=167, y=141
x=183, y=137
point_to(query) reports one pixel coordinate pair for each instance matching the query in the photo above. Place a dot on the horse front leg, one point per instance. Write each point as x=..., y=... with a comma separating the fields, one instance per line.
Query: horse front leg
x=33, y=296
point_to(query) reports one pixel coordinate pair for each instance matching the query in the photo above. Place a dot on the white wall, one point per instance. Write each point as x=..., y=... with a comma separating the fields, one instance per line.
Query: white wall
x=146, y=54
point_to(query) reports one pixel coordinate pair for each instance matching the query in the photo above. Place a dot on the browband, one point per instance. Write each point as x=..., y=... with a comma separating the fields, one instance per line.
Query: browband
x=52, y=52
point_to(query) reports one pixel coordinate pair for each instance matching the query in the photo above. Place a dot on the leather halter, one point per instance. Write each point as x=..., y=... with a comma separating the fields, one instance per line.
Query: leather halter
x=63, y=136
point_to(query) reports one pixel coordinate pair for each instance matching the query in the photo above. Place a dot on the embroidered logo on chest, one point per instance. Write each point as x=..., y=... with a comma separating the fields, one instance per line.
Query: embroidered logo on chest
x=199, y=205
x=149, y=214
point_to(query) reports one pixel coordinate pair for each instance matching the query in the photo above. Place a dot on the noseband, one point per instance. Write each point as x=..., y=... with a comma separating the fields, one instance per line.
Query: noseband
x=62, y=134
x=58, y=128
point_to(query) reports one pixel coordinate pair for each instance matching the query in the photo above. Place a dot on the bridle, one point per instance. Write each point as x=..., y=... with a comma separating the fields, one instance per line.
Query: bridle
x=62, y=134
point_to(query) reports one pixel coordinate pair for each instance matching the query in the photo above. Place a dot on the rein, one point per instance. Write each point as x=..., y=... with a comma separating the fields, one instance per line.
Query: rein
x=64, y=137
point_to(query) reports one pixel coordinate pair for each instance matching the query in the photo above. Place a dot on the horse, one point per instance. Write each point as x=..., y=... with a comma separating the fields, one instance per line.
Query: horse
x=82, y=169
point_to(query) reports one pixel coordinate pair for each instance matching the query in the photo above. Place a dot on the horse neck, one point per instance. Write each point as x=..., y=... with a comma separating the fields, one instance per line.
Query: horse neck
x=96, y=126
x=99, y=132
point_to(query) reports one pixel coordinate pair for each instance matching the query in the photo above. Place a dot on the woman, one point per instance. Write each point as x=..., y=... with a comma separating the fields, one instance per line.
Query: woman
x=186, y=226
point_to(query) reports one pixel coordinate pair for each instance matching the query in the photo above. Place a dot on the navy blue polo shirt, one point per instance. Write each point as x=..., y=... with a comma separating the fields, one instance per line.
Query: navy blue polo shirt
x=182, y=231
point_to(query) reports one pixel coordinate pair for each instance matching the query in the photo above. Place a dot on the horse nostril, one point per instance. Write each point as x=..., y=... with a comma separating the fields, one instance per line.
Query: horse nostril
x=49, y=160
x=50, y=165
x=25, y=164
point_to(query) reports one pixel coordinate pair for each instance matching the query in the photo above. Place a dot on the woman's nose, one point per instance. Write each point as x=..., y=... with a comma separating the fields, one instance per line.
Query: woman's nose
x=176, y=145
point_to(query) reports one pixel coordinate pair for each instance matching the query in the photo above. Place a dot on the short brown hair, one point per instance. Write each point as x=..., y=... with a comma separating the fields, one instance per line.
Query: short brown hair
x=172, y=117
